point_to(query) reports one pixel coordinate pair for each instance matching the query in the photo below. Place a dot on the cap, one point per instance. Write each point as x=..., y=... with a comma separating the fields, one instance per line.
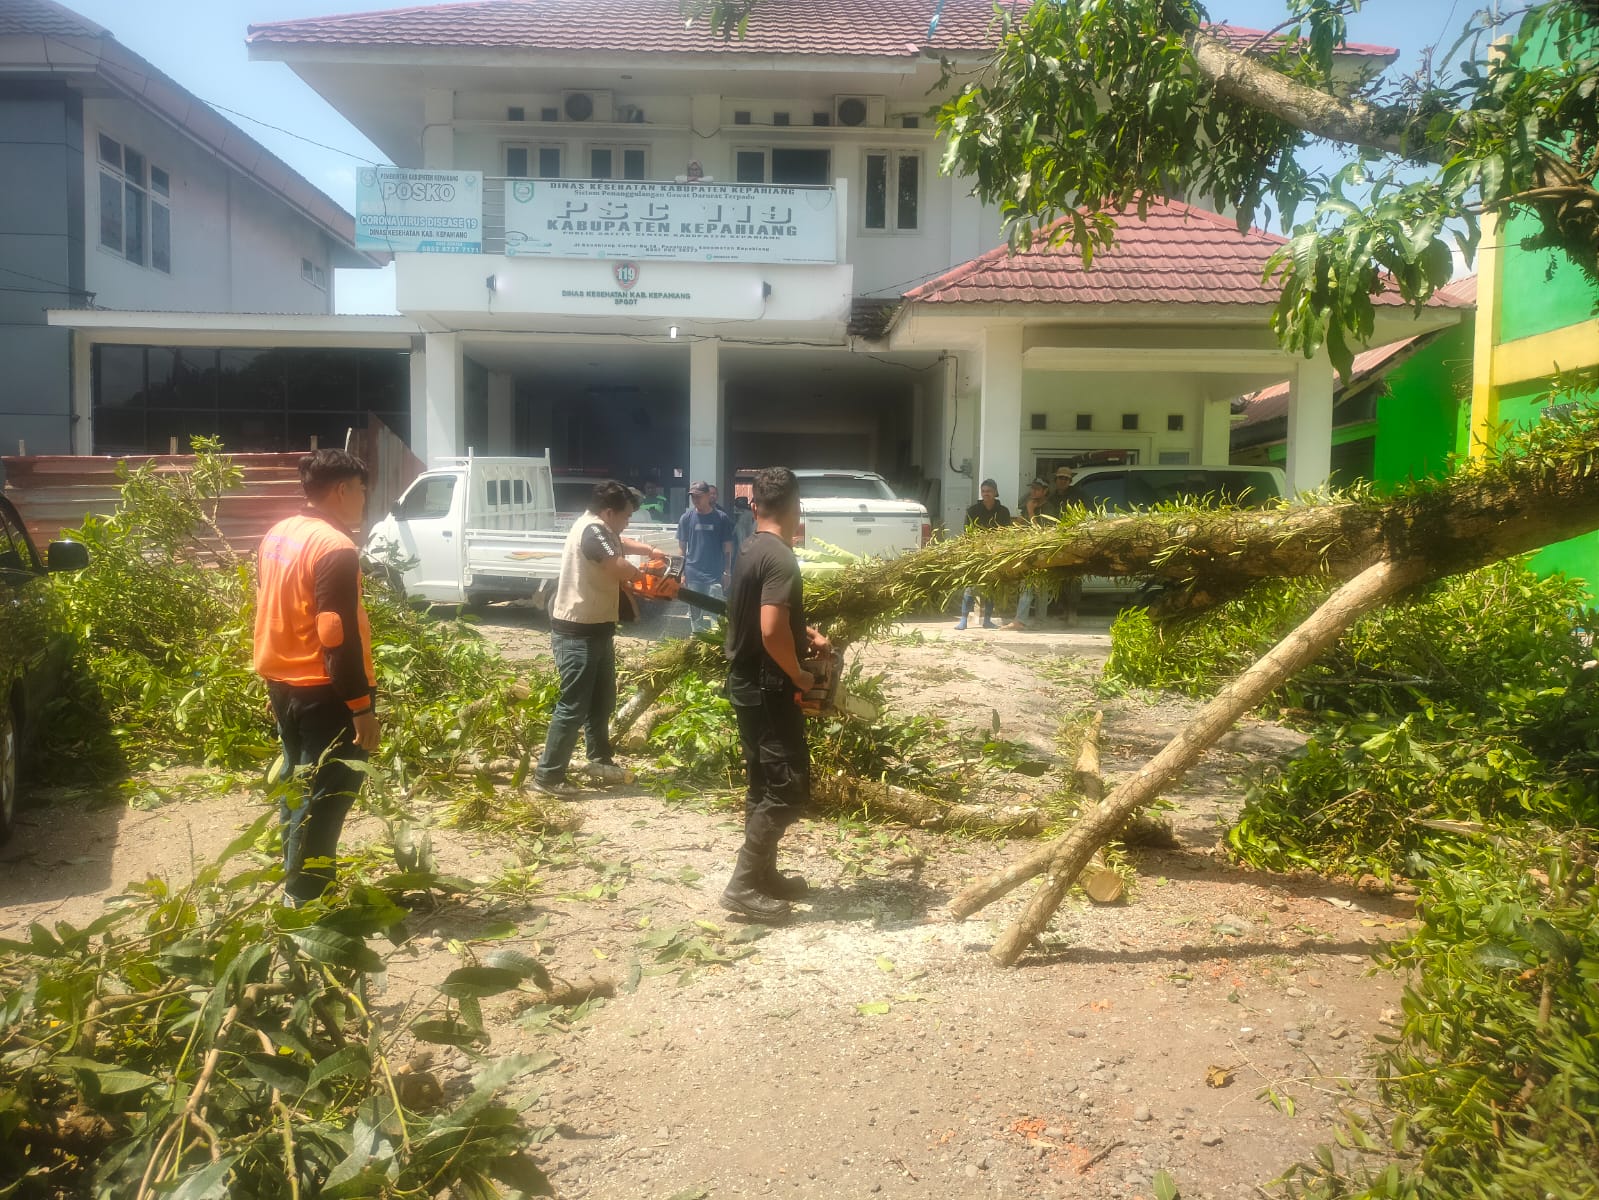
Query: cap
x=1066, y=471
x=698, y=488
x=1037, y=482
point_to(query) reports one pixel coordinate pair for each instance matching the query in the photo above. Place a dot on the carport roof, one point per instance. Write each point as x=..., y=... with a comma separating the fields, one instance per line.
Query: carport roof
x=1179, y=254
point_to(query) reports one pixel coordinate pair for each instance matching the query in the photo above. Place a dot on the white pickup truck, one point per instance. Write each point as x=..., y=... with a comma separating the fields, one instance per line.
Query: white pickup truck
x=470, y=530
x=857, y=511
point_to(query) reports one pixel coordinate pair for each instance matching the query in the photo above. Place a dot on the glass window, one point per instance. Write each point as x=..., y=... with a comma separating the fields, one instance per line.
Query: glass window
x=750, y=166
x=111, y=152
x=549, y=162
x=161, y=237
x=848, y=487
x=429, y=498
x=118, y=377
x=800, y=166
x=877, y=191
x=133, y=165
x=910, y=190
x=600, y=162
x=516, y=162
x=633, y=164
x=111, y=211
x=15, y=554
x=250, y=379
x=160, y=182
x=491, y=493
x=133, y=225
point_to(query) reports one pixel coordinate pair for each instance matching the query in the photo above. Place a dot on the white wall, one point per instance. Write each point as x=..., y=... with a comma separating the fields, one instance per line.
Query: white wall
x=235, y=247
x=1105, y=397
x=953, y=226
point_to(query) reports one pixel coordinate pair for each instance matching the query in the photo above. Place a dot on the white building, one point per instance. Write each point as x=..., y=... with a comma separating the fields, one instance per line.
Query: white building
x=125, y=192
x=691, y=255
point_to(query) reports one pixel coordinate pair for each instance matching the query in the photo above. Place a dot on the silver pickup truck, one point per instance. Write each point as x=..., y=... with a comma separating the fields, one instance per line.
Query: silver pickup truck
x=856, y=511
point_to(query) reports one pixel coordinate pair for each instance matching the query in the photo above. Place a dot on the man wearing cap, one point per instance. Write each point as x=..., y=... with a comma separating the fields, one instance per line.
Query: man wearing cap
x=705, y=539
x=1031, y=511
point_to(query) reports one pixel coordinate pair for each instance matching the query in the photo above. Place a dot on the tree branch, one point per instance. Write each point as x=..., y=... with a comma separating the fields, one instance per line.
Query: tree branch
x=1242, y=78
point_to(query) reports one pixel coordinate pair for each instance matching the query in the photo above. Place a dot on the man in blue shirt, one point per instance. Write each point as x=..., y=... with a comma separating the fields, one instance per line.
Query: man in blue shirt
x=705, y=539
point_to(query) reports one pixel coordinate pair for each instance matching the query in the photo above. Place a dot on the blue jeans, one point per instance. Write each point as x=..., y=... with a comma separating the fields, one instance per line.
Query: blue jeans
x=706, y=585
x=318, y=734
x=587, y=667
x=1024, y=604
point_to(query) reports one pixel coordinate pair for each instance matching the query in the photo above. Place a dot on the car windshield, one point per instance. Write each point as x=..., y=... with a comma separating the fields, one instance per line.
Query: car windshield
x=847, y=487
x=1124, y=490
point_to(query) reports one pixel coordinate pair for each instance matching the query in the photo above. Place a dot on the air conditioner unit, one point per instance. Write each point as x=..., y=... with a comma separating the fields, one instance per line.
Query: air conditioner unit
x=859, y=112
x=586, y=106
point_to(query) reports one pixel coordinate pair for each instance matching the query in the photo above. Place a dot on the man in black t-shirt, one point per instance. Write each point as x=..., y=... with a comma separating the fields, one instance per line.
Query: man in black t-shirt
x=766, y=633
x=987, y=513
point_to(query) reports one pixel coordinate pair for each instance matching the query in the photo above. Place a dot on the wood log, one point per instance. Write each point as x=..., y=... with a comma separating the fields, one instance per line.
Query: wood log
x=1086, y=778
x=1104, y=820
x=845, y=793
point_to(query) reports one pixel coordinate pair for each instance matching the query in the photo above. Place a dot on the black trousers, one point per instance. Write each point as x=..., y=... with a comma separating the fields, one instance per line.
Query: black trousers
x=318, y=734
x=777, y=764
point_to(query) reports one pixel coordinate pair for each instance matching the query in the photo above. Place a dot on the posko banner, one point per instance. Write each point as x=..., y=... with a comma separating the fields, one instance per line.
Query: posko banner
x=406, y=208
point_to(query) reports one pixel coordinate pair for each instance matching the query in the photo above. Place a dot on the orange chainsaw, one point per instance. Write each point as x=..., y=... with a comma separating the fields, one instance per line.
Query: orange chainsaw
x=828, y=693
x=662, y=579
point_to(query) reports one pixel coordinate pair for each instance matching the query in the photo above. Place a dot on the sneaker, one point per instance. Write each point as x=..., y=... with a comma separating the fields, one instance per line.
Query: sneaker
x=961, y=624
x=556, y=787
x=989, y=625
x=608, y=774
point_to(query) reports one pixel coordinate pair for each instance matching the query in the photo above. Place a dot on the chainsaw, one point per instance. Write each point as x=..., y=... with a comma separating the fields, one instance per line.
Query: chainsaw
x=828, y=693
x=662, y=579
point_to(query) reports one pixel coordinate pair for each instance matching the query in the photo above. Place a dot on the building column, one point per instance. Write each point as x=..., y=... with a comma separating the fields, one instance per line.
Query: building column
x=438, y=128
x=1216, y=430
x=443, y=423
x=79, y=377
x=704, y=411
x=502, y=413
x=999, y=428
x=1310, y=424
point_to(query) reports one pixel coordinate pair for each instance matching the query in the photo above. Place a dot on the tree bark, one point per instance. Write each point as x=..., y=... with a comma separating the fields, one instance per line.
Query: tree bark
x=924, y=812
x=1100, y=824
x=1086, y=778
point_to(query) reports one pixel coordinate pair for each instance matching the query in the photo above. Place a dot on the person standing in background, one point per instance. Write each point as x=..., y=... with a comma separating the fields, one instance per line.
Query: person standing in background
x=987, y=513
x=1030, y=511
x=705, y=539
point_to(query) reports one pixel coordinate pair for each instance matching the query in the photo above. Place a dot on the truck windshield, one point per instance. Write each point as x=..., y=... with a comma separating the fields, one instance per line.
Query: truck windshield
x=846, y=487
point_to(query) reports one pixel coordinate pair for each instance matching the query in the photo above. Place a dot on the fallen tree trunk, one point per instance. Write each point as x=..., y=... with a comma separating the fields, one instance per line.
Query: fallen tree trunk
x=852, y=795
x=1066, y=857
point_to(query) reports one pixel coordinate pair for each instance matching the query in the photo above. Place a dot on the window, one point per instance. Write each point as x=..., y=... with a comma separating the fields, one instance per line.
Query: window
x=1174, y=422
x=617, y=162
x=1129, y=421
x=135, y=206
x=893, y=191
x=522, y=160
x=1085, y=422
x=429, y=498
x=313, y=274
x=783, y=165
x=15, y=552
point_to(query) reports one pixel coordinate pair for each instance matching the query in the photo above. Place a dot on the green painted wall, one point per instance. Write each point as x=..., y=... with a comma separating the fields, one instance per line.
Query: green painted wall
x=1579, y=557
x=1418, y=420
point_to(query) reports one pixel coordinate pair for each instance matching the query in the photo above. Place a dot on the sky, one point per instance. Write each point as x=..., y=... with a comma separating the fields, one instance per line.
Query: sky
x=200, y=43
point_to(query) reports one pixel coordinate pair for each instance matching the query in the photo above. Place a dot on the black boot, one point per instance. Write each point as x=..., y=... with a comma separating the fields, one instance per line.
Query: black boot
x=744, y=893
x=782, y=887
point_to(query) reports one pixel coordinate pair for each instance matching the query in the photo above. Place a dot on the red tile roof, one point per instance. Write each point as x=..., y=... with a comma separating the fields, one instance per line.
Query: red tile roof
x=865, y=28
x=1179, y=255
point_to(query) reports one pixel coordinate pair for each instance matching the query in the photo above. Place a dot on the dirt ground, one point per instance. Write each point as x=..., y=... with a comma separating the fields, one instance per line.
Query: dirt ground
x=870, y=1047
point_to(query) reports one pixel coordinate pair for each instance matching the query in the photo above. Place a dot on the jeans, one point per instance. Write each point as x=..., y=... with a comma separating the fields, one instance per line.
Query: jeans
x=706, y=585
x=985, y=603
x=777, y=764
x=318, y=733
x=587, y=667
x=1024, y=604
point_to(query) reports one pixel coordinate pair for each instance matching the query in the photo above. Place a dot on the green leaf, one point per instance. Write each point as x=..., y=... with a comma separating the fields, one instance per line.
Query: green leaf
x=107, y=1080
x=480, y=981
x=352, y=1062
x=440, y=1032
x=1165, y=1186
x=525, y=966
x=522, y=1173
x=874, y=1008
x=208, y=1183
x=335, y=948
x=281, y=1071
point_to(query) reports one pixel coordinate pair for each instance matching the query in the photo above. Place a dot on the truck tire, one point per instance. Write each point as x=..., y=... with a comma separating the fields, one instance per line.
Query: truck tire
x=10, y=750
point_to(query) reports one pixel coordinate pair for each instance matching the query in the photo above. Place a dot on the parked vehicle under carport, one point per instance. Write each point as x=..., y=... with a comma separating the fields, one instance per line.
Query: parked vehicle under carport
x=35, y=647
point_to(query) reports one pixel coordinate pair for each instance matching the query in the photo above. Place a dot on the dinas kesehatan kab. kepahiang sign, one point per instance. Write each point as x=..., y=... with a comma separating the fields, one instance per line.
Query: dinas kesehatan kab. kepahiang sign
x=690, y=222
x=406, y=208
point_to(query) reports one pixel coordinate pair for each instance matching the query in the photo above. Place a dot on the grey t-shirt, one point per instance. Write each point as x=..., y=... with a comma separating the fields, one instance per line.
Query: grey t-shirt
x=766, y=573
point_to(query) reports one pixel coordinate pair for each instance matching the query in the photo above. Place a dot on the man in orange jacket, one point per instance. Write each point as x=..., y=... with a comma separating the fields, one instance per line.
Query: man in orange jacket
x=313, y=647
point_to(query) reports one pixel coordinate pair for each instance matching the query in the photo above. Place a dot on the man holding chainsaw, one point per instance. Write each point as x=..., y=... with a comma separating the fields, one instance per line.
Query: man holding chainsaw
x=766, y=637
x=583, y=619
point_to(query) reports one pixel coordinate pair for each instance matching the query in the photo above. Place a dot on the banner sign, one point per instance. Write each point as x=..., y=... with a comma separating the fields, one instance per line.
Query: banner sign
x=405, y=208
x=690, y=222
